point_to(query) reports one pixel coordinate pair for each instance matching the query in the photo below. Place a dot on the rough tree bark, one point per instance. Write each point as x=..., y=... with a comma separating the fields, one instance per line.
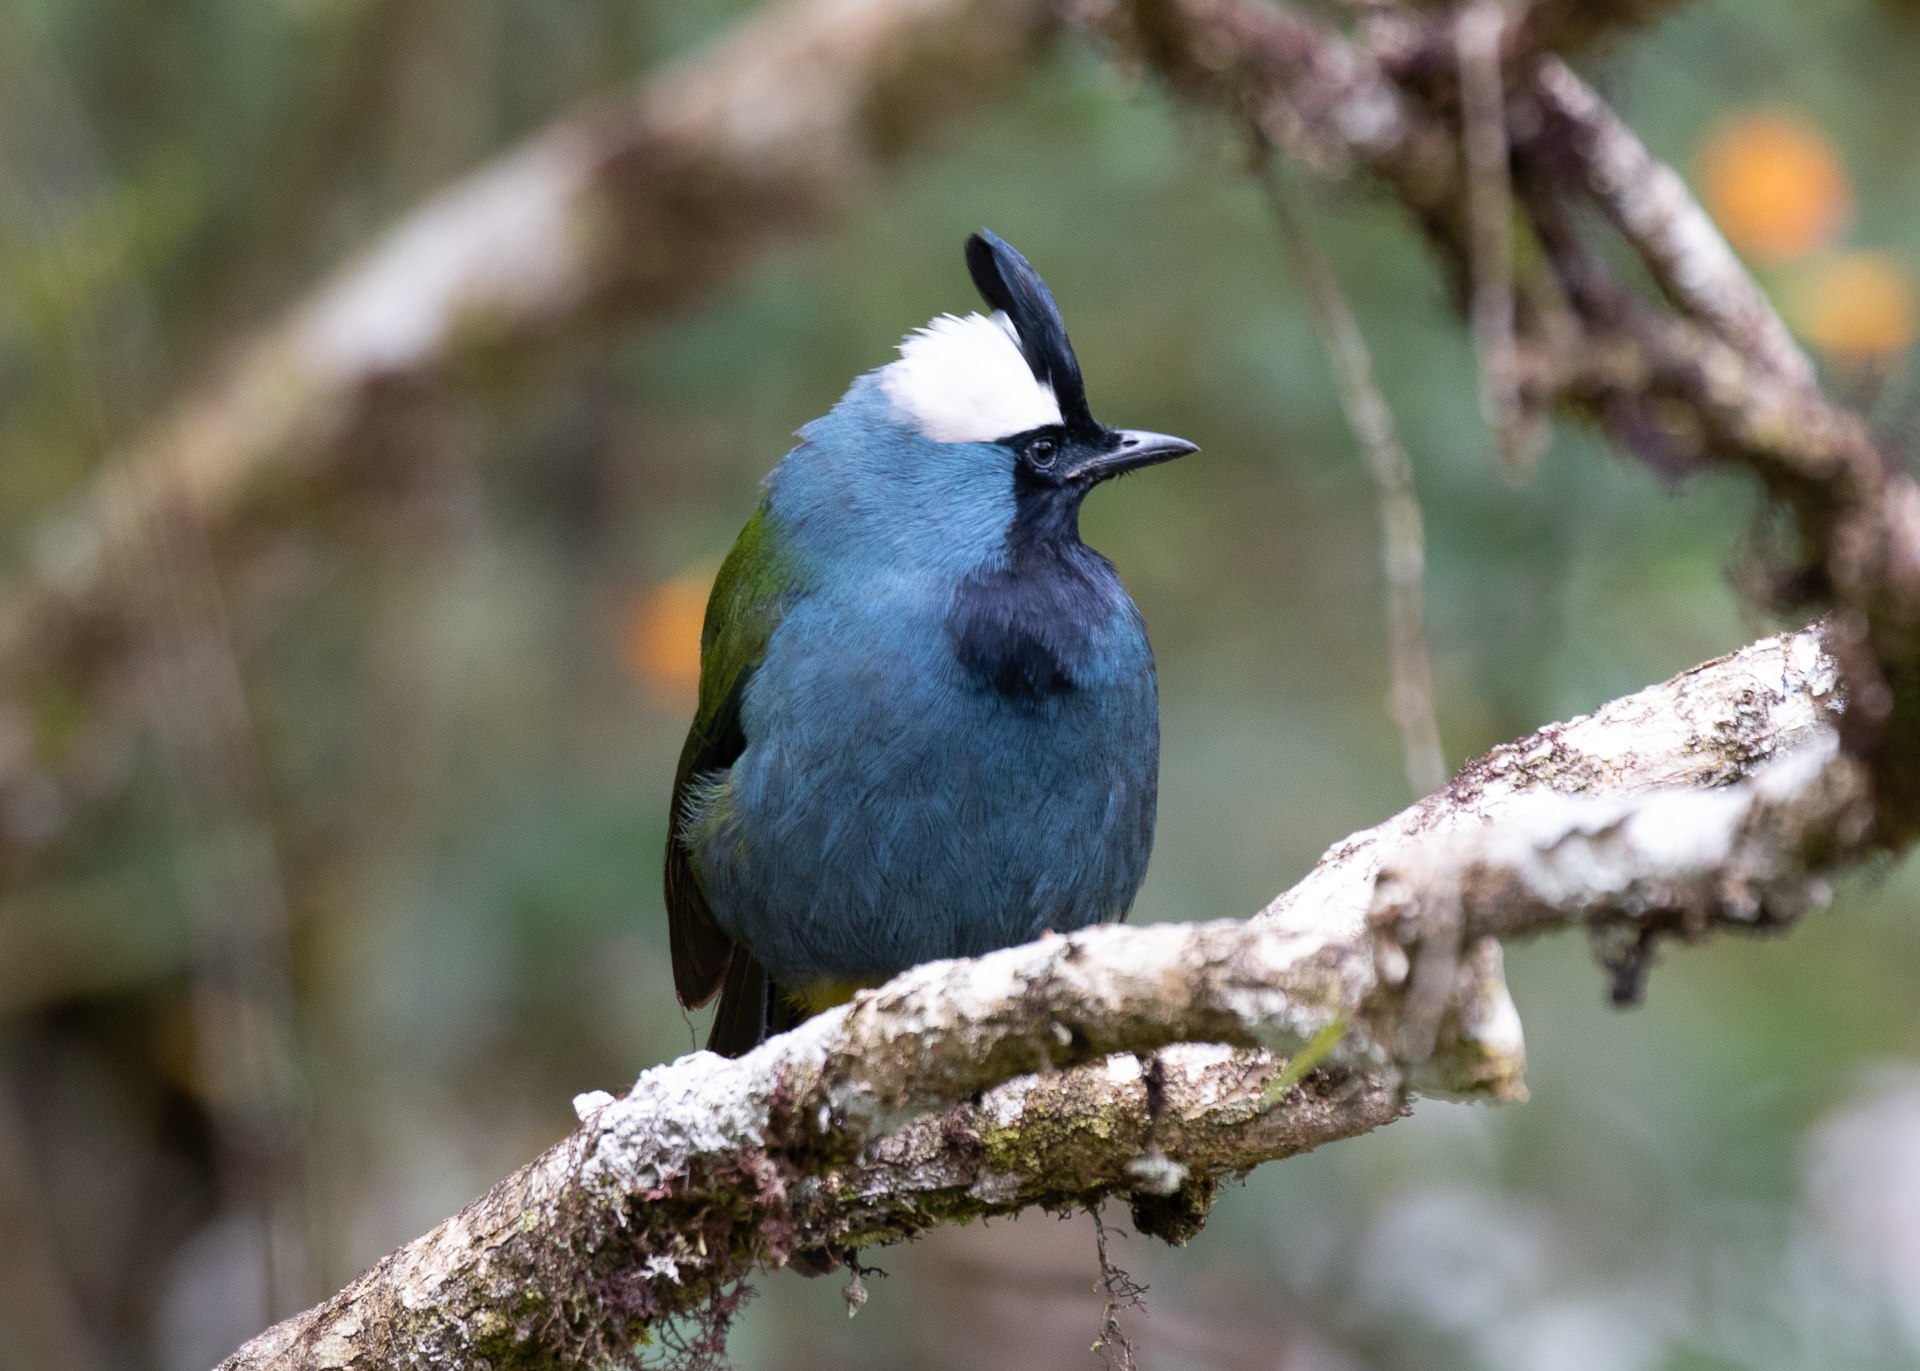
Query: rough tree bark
x=1153, y=1061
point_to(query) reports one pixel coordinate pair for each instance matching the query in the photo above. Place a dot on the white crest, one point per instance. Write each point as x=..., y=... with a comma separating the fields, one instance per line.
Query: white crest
x=966, y=381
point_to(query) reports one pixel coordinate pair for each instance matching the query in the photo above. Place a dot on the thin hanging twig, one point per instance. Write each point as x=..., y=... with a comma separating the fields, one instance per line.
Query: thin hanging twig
x=1121, y=1292
x=1403, y=537
x=1483, y=134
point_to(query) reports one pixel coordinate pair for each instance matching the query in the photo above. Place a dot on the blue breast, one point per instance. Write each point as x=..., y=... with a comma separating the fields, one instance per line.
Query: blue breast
x=940, y=769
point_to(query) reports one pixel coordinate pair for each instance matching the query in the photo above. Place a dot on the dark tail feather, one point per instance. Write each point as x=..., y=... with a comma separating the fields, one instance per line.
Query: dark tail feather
x=745, y=997
x=752, y=1008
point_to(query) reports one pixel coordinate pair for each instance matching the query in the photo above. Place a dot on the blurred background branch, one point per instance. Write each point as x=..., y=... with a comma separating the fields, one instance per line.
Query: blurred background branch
x=630, y=208
x=1479, y=43
x=1708, y=376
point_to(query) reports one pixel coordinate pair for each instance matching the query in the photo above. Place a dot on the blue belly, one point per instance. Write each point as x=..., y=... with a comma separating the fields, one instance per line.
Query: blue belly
x=893, y=807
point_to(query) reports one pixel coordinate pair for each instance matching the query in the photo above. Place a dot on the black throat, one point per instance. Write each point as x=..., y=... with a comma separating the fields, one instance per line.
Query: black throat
x=1025, y=629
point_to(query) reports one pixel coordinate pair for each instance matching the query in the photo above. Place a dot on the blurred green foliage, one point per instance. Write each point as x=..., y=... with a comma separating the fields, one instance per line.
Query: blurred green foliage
x=467, y=789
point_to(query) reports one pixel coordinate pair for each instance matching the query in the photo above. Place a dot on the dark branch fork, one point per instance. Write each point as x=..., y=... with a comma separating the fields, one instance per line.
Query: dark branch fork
x=1706, y=374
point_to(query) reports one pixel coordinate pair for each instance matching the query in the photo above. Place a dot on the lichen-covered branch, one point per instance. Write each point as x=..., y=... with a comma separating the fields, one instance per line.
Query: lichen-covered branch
x=1144, y=1062
x=1705, y=728
x=1672, y=864
x=710, y=1168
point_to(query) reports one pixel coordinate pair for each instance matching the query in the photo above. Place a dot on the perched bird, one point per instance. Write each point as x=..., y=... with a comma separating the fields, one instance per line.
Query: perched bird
x=928, y=724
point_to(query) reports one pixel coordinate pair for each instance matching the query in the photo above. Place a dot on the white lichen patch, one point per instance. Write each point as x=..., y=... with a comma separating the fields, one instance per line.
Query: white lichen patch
x=590, y=1102
x=700, y=1106
x=1155, y=1173
x=996, y=1187
x=1570, y=852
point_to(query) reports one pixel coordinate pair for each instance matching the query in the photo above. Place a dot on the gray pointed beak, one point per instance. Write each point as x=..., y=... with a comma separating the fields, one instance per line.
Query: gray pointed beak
x=1136, y=448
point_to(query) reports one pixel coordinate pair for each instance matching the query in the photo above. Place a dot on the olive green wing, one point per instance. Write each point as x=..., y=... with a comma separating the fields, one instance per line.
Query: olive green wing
x=751, y=594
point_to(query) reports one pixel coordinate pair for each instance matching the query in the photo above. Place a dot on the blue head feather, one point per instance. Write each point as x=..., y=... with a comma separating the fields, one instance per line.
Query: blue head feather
x=866, y=490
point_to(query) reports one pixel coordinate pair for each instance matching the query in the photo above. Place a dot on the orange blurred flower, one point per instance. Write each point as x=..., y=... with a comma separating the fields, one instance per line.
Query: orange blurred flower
x=1858, y=307
x=1774, y=184
x=660, y=633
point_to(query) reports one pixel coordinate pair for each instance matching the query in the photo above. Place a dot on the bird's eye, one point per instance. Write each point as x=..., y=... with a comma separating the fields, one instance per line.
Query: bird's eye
x=1040, y=453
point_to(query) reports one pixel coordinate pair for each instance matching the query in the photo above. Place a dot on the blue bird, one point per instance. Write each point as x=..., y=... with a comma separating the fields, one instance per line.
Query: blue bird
x=928, y=724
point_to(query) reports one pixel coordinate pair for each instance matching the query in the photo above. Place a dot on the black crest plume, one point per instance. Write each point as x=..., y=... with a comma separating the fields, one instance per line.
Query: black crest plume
x=1007, y=281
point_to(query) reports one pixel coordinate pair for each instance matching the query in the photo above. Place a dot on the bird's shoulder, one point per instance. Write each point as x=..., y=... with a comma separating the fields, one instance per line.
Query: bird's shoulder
x=757, y=584
x=756, y=587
